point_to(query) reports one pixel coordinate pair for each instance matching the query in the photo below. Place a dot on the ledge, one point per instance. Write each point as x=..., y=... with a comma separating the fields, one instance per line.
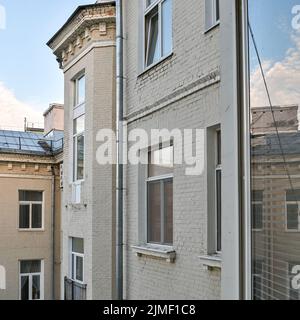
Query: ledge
x=161, y=252
x=212, y=262
x=216, y=25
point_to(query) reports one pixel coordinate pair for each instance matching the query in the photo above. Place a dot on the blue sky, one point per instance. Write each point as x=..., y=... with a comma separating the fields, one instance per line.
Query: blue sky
x=271, y=19
x=27, y=66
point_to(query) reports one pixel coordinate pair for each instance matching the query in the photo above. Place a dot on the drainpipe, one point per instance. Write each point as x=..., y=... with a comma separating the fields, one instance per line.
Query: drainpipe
x=53, y=229
x=119, y=168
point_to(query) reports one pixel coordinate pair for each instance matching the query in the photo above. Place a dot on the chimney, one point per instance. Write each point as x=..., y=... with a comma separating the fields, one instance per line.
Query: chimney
x=54, y=118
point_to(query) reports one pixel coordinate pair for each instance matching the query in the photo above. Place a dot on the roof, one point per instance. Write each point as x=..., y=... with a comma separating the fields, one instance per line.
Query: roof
x=268, y=144
x=79, y=8
x=30, y=143
x=53, y=106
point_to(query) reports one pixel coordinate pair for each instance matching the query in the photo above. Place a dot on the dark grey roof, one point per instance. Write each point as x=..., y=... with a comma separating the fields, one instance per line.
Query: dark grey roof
x=30, y=143
x=269, y=144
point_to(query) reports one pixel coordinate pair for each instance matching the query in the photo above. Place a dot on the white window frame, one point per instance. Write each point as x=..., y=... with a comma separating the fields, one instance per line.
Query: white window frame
x=262, y=204
x=160, y=179
x=218, y=168
x=30, y=203
x=76, y=136
x=286, y=216
x=76, y=91
x=78, y=111
x=146, y=11
x=73, y=266
x=211, y=21
x=30, y=275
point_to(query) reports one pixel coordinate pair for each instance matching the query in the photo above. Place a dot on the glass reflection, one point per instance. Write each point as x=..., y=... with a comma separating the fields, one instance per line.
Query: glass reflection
x=274, y=46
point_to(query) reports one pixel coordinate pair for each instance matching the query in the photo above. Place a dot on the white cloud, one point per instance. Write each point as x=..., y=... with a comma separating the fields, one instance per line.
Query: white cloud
x=13, y=111
x=283, y=79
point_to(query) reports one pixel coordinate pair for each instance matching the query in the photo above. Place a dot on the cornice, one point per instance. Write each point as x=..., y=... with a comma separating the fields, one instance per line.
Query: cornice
x=88, y=24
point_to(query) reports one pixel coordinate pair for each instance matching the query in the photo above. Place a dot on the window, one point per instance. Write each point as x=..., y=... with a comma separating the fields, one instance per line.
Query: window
x=292, y=210
x=31, y=280
x=212, y=13
x=79, y=129
x=79, y=91
x=78, y=140
x=158, y=30
x=77, y=259
x=218, y=161
x=30, y=210
x=257, y=278
x=294, y=293
x=214, y=189
x=257, y=210
x=160, y=196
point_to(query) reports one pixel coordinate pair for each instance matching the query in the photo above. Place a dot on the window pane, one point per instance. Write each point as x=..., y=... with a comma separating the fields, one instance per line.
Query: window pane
x=73, y=267
x=24, y=216
x=168, y=200
x=30, y=195
x=217, y=10
x=292, y=216
x=81, y=90
x=31, y=266
x=24, y=288
x=293, y=195
x=79, y=268
x=36, y=216
x=257, y=216
x=152, y=44
x=167, y=27
x=219, y=148
x=36, y=288
x=219, y=208
x=77, y=245
x=257, y=196
x=79, y=124
x=161, y=162
x=149, y=2
x=80, y=157
x=154, y=212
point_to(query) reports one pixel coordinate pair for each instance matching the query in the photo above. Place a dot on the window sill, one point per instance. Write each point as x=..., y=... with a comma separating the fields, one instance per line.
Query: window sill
x=292, y=231
x=31, y=230
x=153, y=65
x=156, y=251
x=212, y=27
x=211, y=261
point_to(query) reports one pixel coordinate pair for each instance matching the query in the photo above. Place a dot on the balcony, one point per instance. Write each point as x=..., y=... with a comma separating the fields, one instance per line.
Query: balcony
x=74, y=290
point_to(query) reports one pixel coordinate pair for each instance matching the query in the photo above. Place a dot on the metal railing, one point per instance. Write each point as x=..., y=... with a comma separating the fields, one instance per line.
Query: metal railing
x=74, y=290
x=43, y=145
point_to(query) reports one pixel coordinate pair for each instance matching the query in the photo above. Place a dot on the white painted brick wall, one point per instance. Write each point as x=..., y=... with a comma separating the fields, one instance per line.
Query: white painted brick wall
x=195, y=55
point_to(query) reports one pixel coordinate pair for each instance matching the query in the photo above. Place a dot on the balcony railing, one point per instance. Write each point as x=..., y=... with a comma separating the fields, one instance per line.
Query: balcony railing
x=74, y=290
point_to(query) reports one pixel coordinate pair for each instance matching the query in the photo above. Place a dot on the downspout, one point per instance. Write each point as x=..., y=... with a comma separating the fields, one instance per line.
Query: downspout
x=53, y=229
x=119, y=134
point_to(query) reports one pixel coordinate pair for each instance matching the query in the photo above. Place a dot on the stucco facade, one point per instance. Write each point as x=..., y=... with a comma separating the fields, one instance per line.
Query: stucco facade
x=31, y=173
